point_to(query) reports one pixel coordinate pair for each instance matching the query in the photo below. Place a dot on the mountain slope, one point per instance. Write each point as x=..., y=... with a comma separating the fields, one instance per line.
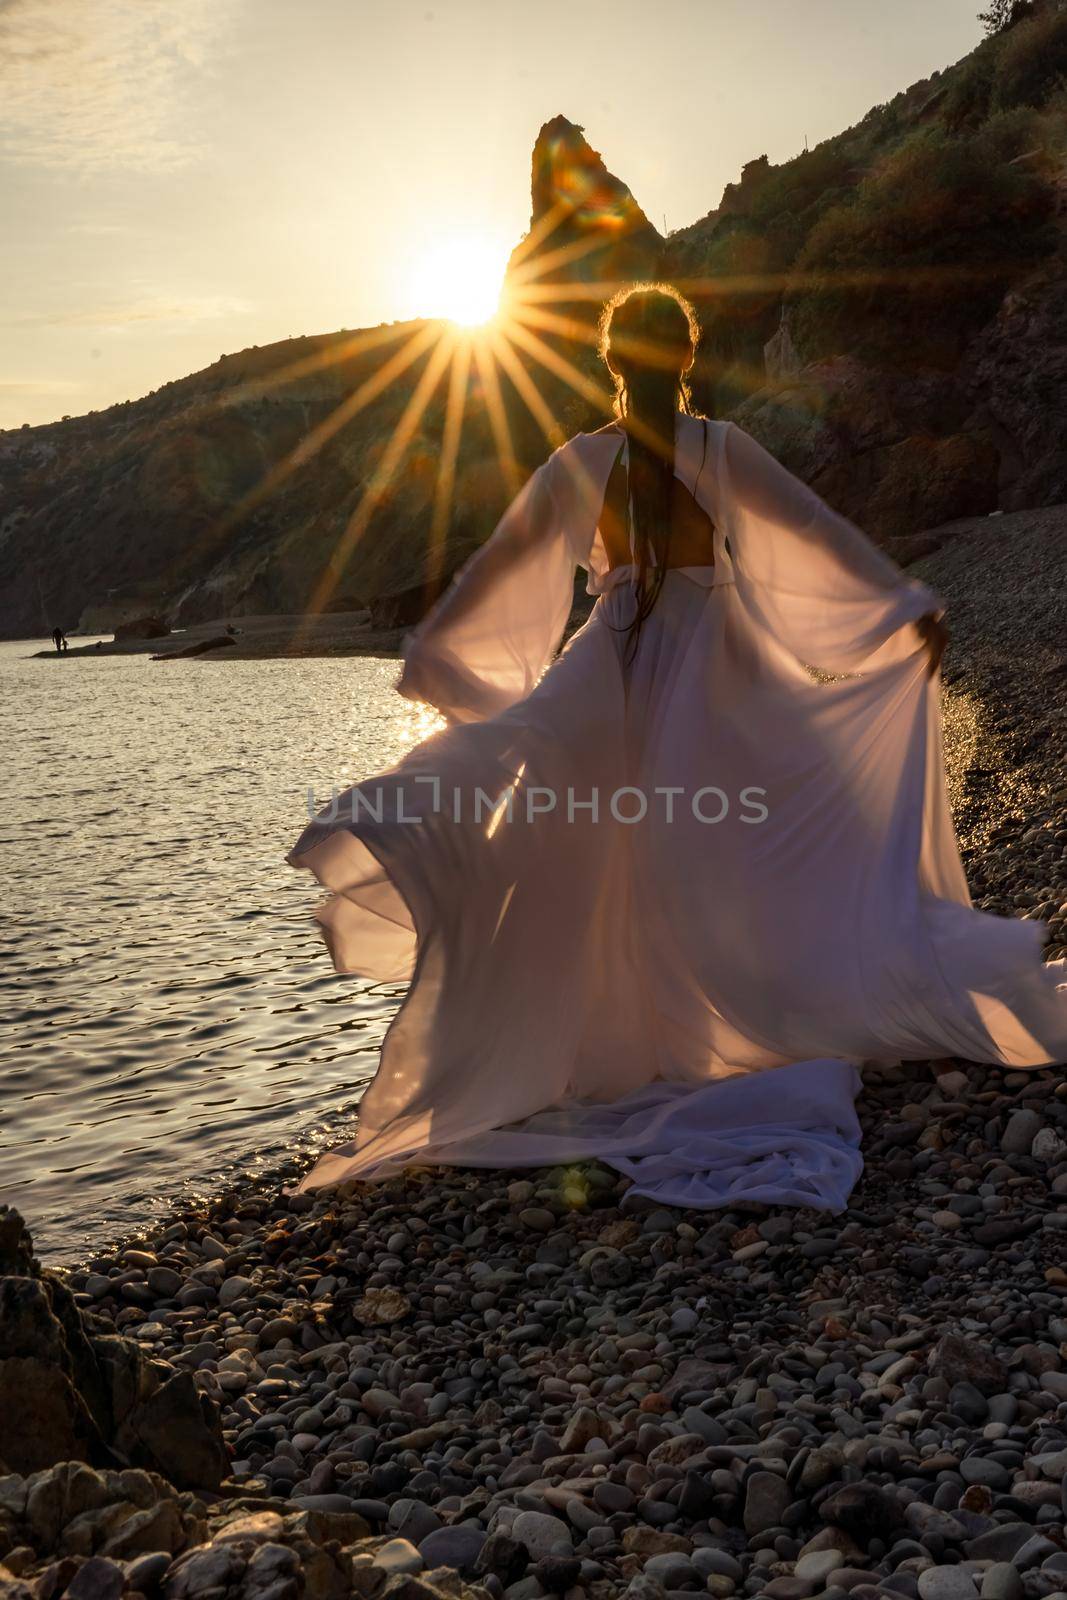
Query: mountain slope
x=886, y=312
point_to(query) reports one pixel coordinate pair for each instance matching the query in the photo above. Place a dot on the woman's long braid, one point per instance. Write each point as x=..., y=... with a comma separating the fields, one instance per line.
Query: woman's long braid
x=651, y=399
x=647, y=334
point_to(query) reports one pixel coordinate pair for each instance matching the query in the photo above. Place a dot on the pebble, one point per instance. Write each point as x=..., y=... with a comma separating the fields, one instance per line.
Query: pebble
x=458, y=1546
x=947, y=1583
x=1002, y=1581
x=1020, y=1131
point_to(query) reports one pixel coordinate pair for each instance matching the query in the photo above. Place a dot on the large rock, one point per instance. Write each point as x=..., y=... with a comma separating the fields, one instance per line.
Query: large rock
x=142, y=628
x=1018, y=366
x=897, y=456
x=68, y=1393
x=219, y=641
x=585, y=225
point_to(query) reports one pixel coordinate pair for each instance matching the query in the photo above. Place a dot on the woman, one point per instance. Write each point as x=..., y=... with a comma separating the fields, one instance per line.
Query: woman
x=658, y=902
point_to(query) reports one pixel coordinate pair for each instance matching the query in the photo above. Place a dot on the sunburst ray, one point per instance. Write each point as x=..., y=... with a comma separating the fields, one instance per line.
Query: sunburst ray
x=546, y=224
x=444, y=488
x=357, y=344
x=392, y=456
x=551, y=260
x=324, y=431
x=498, y=418
x=560, y=366
x=526, y=388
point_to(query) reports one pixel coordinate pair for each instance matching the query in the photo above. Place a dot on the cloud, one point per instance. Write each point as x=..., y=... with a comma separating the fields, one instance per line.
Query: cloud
x=16, y=389
x=158, y=308
x=97, y=84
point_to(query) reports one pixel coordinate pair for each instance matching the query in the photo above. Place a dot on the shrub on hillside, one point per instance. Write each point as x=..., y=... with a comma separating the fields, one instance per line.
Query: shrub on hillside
x=1024, y=66
x=803, y=183
x=1031, y=61
x=969, y=92
x=920, y=257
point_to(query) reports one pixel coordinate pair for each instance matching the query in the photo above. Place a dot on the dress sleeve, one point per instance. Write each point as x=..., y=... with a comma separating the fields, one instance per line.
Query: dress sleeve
x=492, y=633
x=817, y=582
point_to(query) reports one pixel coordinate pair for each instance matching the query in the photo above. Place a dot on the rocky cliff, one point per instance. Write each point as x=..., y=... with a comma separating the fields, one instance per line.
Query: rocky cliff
x=886, y=312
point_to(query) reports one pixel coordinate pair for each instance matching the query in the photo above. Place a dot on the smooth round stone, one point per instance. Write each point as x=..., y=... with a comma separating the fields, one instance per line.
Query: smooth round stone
x=537, y=1218
x=1002, y=1581
x=232, y=1382
x=718, y=1585
x=413, y=1520
x=612, y=1497
x=323, y=1502
x=164, y=1281
x=1019, y=1133
x=818, y=1564
x=234, y=1289
x=309, y=1421
x=766, y=1497
x=1003, y=1408
x=969, y=1403
x=709, y=1561
x=458, y=1546
x=946, y=1583
x=145, y=1572
x=541, y=1534
x=979, y=1469
x=372, y=1510
x=398, y=1555
x=672, y=1569
x=139, y=1258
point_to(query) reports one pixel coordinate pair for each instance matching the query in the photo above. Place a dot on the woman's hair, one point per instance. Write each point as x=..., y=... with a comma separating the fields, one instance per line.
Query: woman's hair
x=648, y=335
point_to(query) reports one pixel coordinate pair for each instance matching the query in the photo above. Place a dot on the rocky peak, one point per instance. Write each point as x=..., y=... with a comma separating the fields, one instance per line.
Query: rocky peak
x=585, y=224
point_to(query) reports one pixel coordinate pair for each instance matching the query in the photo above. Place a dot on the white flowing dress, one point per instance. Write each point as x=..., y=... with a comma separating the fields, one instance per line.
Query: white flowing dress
x=661, y=912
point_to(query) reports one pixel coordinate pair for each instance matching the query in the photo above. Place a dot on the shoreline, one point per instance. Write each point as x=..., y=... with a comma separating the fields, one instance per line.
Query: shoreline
x=256, y=638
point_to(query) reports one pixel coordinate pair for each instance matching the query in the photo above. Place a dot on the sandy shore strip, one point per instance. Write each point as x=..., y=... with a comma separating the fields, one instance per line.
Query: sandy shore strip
x=342, y=633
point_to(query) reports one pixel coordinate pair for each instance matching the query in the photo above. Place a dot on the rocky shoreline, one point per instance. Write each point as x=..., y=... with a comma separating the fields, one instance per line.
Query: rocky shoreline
x=515, y=1384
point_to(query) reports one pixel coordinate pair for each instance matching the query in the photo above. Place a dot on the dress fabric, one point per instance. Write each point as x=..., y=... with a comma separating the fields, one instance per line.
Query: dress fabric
x=660, y=911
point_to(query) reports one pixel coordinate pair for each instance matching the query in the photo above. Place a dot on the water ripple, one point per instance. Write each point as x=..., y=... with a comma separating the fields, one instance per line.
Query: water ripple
x=168, y=1012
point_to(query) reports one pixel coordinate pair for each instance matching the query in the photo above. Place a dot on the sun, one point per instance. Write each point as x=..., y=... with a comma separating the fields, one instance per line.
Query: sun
x=459, y=277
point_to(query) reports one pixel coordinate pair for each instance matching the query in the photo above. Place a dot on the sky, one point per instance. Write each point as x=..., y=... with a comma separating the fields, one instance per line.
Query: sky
x=184, y=178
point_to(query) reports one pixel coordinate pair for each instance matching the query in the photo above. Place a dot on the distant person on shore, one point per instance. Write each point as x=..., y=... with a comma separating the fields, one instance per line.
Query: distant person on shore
x=671, y=888
x=66, y=646
x=57, y=640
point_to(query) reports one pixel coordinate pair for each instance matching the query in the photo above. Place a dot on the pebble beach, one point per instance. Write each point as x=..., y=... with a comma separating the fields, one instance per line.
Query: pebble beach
x=525, y=1386
x=511, y=1385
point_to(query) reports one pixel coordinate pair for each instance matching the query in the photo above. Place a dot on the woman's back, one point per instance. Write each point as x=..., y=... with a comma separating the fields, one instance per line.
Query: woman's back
x=692, y=532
